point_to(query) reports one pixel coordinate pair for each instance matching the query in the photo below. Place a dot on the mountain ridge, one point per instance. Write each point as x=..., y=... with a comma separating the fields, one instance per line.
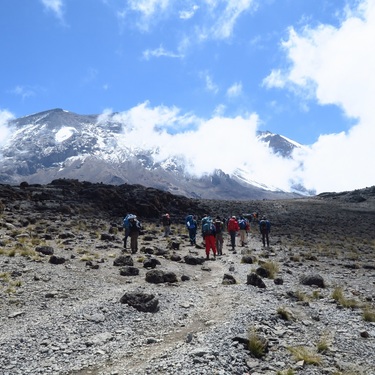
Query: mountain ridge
x=61, y=144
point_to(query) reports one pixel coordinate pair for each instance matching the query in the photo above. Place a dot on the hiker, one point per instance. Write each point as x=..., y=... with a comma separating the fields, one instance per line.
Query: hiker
x=166, y=220
x=192, y=225
x=233, y=228
x=265, y=229
x=134, y=231
x=208, y=233
x=126, y=226
x=219, y=228
x=244, y=229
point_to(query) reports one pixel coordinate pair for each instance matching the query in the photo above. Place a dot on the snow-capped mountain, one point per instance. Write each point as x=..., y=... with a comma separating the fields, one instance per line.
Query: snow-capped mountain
x=61, y=144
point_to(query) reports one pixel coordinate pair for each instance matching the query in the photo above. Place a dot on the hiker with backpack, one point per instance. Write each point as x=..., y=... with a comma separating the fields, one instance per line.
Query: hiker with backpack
x=244, y=228
x=265, y=229
x=233, y=228
x=166, y=221
x=219, y=228
x=192, y=226
x=126, y=226
x=134, y=231
x=208, y=233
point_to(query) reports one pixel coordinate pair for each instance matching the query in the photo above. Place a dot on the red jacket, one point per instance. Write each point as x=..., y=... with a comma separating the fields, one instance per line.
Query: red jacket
x=233, y=225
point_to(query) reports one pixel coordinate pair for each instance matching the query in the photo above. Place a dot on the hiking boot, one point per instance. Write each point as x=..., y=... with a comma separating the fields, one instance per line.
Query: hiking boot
x=207, y=257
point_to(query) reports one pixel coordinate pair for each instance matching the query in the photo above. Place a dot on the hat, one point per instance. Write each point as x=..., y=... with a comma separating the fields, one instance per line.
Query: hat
x=233, y=217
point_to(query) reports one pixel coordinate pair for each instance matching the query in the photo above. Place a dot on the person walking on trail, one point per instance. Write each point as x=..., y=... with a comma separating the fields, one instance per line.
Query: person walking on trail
x=126, y=226
x=209, y=233
x=219, y=228
x=192, y=225
x=166, y=220
x=265, y=229
x=244, y=228
x=134, y=231
x=233, y=228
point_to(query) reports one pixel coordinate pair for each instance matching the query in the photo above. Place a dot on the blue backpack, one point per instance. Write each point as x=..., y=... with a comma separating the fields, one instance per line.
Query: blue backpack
x=126, y=223
x=190, y=222
x=208, y=227
x=242, y=223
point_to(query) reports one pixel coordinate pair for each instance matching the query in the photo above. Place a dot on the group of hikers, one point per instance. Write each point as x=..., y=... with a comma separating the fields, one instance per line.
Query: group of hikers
x=212, y=230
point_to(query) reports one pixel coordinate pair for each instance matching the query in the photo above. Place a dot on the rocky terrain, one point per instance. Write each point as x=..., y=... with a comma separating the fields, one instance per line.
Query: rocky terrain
x=74, y=302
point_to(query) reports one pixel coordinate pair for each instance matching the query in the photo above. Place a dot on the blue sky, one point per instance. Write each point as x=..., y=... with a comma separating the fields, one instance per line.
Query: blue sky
x=300, y=68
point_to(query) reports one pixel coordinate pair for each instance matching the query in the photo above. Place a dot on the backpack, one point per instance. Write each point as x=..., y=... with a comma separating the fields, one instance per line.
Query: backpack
x=126, y=223
x=134, y=226
x=208, y=227
x=165, y=219
x=190, y=222
x=232, y=225
x=263, y=226
x=218, y=226
x=242, y=223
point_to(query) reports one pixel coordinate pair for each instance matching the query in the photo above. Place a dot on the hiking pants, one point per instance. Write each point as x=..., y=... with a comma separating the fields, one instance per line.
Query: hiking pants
x=265, y=238
x=134, y=242
x=210, y=244
x=126, y=236
x=167, y=230
x=193, y=235
x=232, y=234
x=243, y=238
x=219, y=243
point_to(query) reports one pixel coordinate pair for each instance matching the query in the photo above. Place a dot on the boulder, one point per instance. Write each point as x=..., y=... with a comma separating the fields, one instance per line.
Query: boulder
x=255, y=280
x=129, y=271
x=123, y=260
x=312, y=279
x=141, y=301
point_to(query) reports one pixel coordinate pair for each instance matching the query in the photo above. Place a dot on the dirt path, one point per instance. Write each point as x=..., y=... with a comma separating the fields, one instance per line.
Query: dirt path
x=207, y=313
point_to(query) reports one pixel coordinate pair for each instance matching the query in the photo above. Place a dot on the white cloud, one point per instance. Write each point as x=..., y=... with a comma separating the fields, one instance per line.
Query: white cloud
x=210, y=84
x=235, y=90
x=23, y=91
x=149, y=11
x=159, y=52
x=205, y=144
x=275, y=79
x=5, y=129
x=187, y=14
x=336, y=66
x=55, y=6
x=226, y=19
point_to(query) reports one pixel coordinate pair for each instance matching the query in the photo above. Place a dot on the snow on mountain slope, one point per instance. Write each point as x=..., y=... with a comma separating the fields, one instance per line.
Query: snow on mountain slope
x=61, y=144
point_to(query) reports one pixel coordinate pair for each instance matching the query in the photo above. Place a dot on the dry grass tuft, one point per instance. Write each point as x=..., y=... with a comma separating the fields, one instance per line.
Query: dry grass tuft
x=339, y=297
x=308, y=355
x=271, y=267
x=369, y=315
x=257, y=345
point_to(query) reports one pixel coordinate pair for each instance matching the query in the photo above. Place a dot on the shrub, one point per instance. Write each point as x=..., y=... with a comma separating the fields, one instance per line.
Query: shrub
x=303, y=353
x=322, y=344
x=271, y=267
x=257, y=345
x=338, y=296
x=369, y=315
x=286, y=372
x=284, y=313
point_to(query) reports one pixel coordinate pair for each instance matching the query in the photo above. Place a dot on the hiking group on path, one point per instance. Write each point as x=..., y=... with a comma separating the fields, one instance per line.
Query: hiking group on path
x=212, y=231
